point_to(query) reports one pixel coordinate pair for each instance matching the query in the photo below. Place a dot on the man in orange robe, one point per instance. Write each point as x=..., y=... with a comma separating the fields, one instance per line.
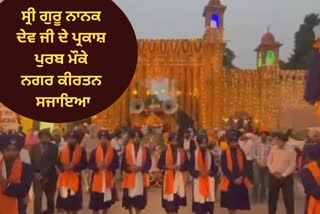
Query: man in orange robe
x=15, y=175
x=72, y=161
x=174, y=162
x=103, y=162
x=203, y=171
x=135, y=166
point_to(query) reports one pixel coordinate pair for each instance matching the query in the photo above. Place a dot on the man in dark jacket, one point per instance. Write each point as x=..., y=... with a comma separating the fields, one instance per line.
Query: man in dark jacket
x=44, y=157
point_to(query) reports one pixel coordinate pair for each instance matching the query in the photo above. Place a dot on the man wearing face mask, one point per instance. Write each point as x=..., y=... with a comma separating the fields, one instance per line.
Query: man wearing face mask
x=235, y=183
x=174, y=162
x=72, y=161
x=15, y=175
x=136, y=164
x=281, y=164
x=103, y=162
x=44, y=159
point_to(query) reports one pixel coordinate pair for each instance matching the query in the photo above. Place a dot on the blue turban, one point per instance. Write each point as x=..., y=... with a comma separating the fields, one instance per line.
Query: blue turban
x=74, y=134
x=312, y=151
x=11, y=138
x=173, y=136
x=134, y=133
x=103, y=133
x=232, y=135
x=201, y=138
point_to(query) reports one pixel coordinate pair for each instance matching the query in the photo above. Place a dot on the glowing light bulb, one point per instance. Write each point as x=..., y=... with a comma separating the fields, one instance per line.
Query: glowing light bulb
x=135, y=92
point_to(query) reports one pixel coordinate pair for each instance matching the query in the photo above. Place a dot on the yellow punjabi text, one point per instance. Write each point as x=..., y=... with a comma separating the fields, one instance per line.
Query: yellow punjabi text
x=24, y=37
x=79, y=80
x=29, y=16
x=74, y=58
x=84, y=16
x=49, y=59
x=88, y=38
x=47, y=17
x=36, y=80
x=63, y=101
x=55, y=17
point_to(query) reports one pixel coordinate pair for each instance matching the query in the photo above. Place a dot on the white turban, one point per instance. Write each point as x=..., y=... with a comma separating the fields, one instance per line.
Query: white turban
x=221, y=133
x=316, y=31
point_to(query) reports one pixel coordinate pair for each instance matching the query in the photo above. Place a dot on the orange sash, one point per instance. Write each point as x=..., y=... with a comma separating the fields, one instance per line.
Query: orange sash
x=317, y=45
x=129, y=178
x=169, y=174
x=97, y=183
x=10, y=204
x=225, y=182
x=314, y=204
x=204, y=183
x=70, y=179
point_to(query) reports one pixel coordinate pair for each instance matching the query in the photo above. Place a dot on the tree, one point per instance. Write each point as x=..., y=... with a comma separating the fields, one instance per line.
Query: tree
x=228, y=58
x=304, y=39
x=283, y=65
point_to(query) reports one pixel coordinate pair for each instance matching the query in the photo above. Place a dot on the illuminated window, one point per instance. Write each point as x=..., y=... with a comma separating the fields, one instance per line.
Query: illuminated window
x=160, y=88
x=215, y=21
x=270, y=57
x=259, y=60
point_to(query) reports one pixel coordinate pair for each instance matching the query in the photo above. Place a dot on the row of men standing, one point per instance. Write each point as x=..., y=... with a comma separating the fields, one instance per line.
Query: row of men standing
x=16, y=176
x=103, y=161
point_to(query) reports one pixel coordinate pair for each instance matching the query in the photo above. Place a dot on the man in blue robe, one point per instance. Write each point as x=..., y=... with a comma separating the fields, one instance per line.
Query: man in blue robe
x=235, y=183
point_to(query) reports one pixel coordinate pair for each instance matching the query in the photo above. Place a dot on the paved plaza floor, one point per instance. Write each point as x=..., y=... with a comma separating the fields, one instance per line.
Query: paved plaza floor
x=154, y=204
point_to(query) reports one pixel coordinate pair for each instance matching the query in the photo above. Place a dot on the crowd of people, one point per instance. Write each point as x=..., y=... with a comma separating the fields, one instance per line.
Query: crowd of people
x=246, y=168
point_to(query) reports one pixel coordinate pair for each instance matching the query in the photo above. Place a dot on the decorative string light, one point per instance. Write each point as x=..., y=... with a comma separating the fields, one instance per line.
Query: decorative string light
x=214, y=94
